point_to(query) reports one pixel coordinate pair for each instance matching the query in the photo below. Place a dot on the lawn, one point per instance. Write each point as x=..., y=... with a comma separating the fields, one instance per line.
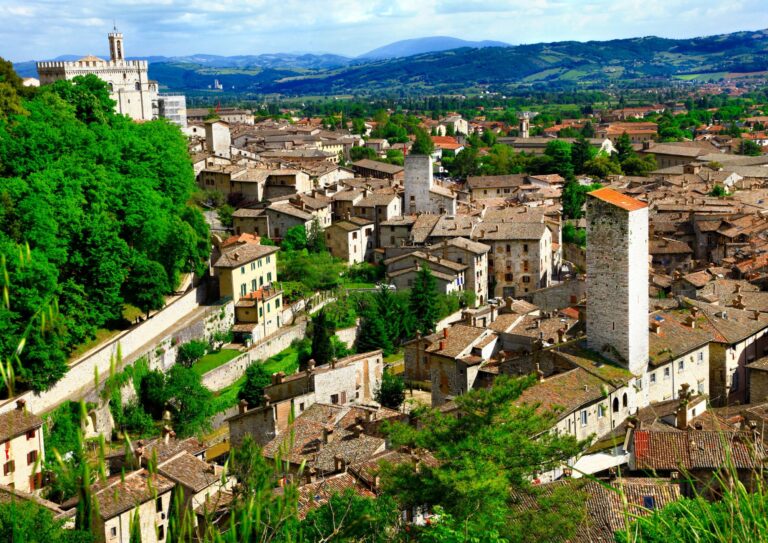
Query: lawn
x=214, y=360
x=286, y=361
x=394, y=357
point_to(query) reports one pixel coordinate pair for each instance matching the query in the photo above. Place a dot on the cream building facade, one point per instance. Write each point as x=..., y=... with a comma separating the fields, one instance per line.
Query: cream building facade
x=128, y=81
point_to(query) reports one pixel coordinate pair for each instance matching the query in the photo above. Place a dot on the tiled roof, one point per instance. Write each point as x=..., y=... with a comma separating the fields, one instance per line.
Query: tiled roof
x=17, y=422
x=190, y=472
x=674, y=338
x=495, y=181
x=137, y=488
x=383, y=167
x=455, y=340
x=463, y=243
x=316, y=494
x=511, y=231
x=606, y=511
x=618, y=199
x=244, y=254
x=288, y=209
x=695, y=449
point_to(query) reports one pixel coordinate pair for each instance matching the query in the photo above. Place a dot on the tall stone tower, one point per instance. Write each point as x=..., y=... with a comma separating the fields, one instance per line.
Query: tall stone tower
x=617, y=278
x=418, y=181
x=525, y=122
x=116, y=51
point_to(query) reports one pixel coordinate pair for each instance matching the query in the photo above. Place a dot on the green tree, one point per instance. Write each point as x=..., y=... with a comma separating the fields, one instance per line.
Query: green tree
x=316, y=237
x=484, y=457
x=391, y=392
x=465, y=164
x=153, y=394
x=191, y=352
x=639, y=166
x=372, y=334
x=588, y=130
x=560, y=153
x=350, y=517
x=90, y=97
x=256, y=380
x=581, y=153
x=359, y=153
x=146, y=284
x=601, y=167
x=322, y=330
x=624, y=147
x=718, y=191
x=358, y=126
x=423, y=145
x=224, y=215
x=749, y=148
x=295, y=238
x=23, y=521
x=189, y=401
x=423, y=301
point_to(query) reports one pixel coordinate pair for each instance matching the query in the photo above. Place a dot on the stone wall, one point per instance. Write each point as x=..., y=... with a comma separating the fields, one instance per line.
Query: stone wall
x=566, y=294
x=131, y=343
x=574, y=253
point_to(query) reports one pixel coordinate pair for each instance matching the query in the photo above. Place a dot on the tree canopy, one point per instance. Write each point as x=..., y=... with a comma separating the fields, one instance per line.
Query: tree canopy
x=93, y=215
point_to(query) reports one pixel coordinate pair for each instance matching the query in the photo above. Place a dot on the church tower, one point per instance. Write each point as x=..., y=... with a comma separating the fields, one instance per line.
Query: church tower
x=617, y=278
x=116, y=51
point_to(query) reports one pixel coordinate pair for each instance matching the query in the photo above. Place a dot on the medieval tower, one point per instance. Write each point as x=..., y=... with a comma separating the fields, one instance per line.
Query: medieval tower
x=617, y=278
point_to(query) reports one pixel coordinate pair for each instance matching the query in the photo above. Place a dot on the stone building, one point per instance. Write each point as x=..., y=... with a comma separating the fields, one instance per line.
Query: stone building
x=403, y=269
x=422, y=194
x=218, y=139
x=21, y=437
x=246, y=268
x=617, y=278
x=352, y=239
x=128, y=82
x=350, y=380
x=472, y=253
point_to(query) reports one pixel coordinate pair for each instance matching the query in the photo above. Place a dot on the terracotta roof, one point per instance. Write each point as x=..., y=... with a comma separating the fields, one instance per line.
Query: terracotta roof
x=618, y=199
x=695, y=449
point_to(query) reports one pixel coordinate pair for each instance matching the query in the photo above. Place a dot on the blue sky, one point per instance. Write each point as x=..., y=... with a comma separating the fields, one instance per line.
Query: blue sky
x=39, y=29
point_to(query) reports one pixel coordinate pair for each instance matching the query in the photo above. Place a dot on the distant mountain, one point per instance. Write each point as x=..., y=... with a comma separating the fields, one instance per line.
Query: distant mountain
x=551, y=66
x=433, y=44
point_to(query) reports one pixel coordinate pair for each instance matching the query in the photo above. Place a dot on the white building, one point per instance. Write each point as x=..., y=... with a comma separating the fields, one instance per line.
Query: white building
x=617, y=278
x=128, y=80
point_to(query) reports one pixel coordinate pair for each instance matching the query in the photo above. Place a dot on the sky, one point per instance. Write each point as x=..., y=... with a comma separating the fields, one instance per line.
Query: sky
x=44, y=29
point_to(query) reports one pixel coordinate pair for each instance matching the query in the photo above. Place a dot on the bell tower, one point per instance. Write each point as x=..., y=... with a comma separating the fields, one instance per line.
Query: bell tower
x=116, y=51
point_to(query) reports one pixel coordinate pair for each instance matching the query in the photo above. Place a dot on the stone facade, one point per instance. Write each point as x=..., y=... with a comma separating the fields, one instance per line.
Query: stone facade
x=617, y=278
x=128, y=82
x=421, y=193
x=217, y=138
x=352, y=240
x=520, y=260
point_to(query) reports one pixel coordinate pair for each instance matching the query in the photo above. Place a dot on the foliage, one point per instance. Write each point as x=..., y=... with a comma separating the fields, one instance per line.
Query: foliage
x=23, y=521
x=423, y=145
x=316, y=271
x=718, y=191
x=101, y=204
x=372, y=334
x=581, y=153
x=601, y=167
x=624, y=149
x=351, y=517
x=391, y=392
x=639, y=166
x=295, y=239
x=256, y=380
x=359, y=153
x=182, y=394
x=191, y=352
x=341, y=313
x=225, y=215
x=316, y=237
x=465, y=164
x=322, y=330
x=423, y=301
x=749, y=148
x=560, y=153
x=485, y=456
x=134, y=535
x=577, y=236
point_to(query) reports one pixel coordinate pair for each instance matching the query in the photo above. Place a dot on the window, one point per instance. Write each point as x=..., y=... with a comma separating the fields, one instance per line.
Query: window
x=649, y=502
x=31, y=457
x=242, y=270
x=269, y=277
x=600, y=411
x=9, y=467
x=354, y=235
x=35, y=481
x=624, y=402
x=267, y=307
x=159, y=505
x=525, y=265
x=253, y=265
x=509, y=248
x=526, y=279
x=268, y=259
x=525, y=247
x=301, y=407
x=335, y=399
x=277, y=303
x=666, y=372
x=254, y=284
x=243, y=289
x=113, y=531
x=615, y=405
x=31, y=434
x=653, y=378
x=735, y=381
x=583, y=417
x=701, y=357
x=160, y=533
x=260, y=263
x=508, y=277
x=680, y=366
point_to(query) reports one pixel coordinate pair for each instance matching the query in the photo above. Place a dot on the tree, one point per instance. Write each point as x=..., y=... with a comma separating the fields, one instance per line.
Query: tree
x=322, y=330
x=560, y=153
x=350, y=517
x=465, y=164
x=372, y=334
x=256, y=380
x=152, y=394
x=224, y=215
x=601, y=167
x=484, y=458
x=358, y=126
x=146, y=285
x=639, y=166
x=391, y=392
x=624, y=147
x=423, y=300
x=23, y=521
x=588, y=131
x=90, y=97
x=581, y=153
x=316, y=237
x=749, y=148
x=718, y=191
x=359, y=153
x=295, y=238
x=191, y=352
x=189, y=401
x=423, y=145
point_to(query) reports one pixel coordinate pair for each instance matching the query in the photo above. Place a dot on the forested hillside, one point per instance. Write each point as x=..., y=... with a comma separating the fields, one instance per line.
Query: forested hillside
x=94, y=214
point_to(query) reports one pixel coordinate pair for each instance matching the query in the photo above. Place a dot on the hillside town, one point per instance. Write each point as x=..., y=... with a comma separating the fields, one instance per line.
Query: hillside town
x=350, y=295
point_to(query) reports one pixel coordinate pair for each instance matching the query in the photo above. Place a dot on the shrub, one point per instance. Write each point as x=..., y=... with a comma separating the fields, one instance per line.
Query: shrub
x=191, y=352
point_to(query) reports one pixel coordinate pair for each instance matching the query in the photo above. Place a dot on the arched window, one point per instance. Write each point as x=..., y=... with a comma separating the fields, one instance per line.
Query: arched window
x=138, y=86
x=615, y=405
x=111, y=87
x=624, y=400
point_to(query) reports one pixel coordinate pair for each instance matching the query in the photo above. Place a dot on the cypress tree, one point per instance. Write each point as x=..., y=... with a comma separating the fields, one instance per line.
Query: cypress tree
x=424, y=301
x=322, y=330
x=373, y=334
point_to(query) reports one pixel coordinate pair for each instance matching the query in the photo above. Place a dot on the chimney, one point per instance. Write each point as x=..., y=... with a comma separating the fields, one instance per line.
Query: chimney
x=656, y=328
x=21, y=404
x=339, y=464
x=441, y=345
x=756, y=314
x=694, y=311
x=445, y=332
x=682, y=420
x=539, y=373
x=560, y=335
x=311, y=365
x=357, y=429
x=509, y=301
x=267, y=400
x=242, y=407
x=328, y=434
x=333, y=362
x=167, y=434
x=277, y=378
x=690, y=321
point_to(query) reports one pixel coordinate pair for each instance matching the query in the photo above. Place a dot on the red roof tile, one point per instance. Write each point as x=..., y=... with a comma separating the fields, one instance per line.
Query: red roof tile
x=618, y=199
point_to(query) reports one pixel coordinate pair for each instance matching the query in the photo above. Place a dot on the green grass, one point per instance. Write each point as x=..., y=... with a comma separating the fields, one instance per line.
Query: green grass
x=286, y=361
x=358, y=285
x=394, y=357
x=214, y=360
